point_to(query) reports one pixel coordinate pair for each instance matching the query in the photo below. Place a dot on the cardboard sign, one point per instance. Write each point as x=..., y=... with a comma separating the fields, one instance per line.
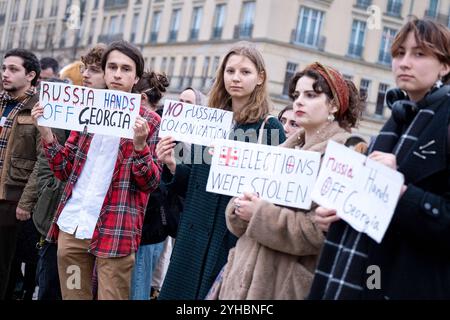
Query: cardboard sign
x=72, y=107
x=363, y=192
x=279, y=175
x=194, y=124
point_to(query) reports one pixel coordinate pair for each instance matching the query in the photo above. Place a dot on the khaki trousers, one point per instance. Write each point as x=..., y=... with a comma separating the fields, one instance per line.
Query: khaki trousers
x=75, y=267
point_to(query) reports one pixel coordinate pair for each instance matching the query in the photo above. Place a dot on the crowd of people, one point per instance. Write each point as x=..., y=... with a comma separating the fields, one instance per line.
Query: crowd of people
x=95, y=216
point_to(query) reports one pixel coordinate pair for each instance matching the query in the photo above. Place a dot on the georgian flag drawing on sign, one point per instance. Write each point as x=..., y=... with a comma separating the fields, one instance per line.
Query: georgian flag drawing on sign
x=228, y=157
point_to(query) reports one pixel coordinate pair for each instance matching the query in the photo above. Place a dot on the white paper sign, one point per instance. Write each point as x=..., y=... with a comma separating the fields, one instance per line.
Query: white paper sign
x=280, y=175
x=72, y=107
x=363, y=192
x=194, y=124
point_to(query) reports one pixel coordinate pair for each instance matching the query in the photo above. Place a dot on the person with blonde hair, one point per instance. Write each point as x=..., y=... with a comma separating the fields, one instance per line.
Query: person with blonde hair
x=203, y=241
x=72, y=73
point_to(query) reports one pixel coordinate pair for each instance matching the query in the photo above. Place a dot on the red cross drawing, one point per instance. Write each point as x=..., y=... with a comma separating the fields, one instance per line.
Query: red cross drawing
x=228, y=157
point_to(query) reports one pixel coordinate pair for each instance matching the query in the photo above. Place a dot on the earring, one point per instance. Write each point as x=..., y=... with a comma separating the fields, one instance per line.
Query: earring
x=330, y=118
x=439, y=83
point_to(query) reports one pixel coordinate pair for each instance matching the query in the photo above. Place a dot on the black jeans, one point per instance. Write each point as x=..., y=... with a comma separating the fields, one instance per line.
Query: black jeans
x=8, y=240
x=47, y=273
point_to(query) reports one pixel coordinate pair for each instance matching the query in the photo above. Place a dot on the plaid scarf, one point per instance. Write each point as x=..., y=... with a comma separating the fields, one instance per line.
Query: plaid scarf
x=6, y=130
x=342, y=267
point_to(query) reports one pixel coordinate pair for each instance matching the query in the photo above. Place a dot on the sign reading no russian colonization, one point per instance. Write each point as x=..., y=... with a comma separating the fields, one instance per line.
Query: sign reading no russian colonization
x=72, y=107
x=194, y=124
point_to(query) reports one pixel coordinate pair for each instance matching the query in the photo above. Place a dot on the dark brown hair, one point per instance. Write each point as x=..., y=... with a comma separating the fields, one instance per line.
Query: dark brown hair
x=352, y=115
x=153, y=85
x=130, y=51
x=432, y=37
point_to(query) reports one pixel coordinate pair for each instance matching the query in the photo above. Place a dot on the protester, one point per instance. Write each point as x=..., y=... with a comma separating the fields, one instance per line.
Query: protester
x=100, y=220
x=203, y=241
x=278, y=247
x=51, y=189
x=411, y=261
x=288, y=120
x=182, y=154
x=18, y=141
x=49, y=68
x=159, y=218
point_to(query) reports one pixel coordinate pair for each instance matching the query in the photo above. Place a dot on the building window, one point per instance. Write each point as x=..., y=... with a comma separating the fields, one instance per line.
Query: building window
x=182, y=72
x=54, y=8
x=163, y=65
x=382, y=89
x=26, y=14
x=291, y=68
x=40, y=9
x=205, y=71
x=23, y=37
x=174, y=25
x=96, y=4
x=152, y=63
x=219, y=20
x=62, y=41
x=196, y=22
x=92, y=31
x=364, y=87
x=245, y=28
x=394, y=7
x=384, y=56
x=10, y=43
x=155, y=26
x=363, y=4
x=191, y=72
x=432, y=10
x=213, y=70
x=171, y=67
x=50, y=35
x=355, y=48
x=309, y=27
x=15, y=11
x=134, y=27
x=36, y=36
x=113, y=25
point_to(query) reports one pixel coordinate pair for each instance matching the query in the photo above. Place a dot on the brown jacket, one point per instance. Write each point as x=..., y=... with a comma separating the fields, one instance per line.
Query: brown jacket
x=21, y=154
x=277, y=251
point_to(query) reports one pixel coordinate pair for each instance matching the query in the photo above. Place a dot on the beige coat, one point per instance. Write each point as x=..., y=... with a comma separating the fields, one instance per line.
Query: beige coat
x=277, y=251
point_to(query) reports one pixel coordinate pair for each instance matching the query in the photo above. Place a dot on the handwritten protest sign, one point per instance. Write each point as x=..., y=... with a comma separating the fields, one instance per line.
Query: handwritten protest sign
x=363, y=192
x=105, y=112
x=280, y=175
x=194, y=124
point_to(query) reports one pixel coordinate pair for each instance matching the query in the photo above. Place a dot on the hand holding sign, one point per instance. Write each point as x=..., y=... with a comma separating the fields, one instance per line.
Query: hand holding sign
x=36, y=113
x=363, y=192
x=324, y=217
x=165, y=152
x=140, y=133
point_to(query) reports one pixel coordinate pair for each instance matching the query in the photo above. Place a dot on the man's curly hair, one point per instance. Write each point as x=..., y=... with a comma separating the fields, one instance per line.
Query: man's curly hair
x=94, y=56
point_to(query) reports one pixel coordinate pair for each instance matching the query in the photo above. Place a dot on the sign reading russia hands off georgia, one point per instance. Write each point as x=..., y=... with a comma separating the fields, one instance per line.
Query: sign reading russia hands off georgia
x=72, y=107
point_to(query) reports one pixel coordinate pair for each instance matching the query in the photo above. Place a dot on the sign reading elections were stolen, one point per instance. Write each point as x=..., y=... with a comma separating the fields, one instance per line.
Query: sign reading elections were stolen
x=362, y=191
x=279, y=175
x=72, y=107
x=194, y=124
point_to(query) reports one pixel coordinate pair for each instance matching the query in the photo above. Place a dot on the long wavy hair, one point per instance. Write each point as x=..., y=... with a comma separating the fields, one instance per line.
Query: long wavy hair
x=258, y=104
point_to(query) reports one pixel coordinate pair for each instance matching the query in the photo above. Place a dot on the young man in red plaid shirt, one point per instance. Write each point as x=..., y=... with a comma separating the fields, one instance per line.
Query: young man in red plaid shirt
x=109, y=179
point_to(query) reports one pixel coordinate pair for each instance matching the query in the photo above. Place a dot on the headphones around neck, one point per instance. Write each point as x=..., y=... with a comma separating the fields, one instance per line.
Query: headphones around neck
x=404, y=110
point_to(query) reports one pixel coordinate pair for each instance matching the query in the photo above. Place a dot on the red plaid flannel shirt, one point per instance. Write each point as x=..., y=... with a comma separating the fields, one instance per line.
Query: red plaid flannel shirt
x=136, y=174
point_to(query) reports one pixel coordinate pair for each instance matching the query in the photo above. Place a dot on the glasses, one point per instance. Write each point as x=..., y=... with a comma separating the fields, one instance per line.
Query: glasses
x=90, y=69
